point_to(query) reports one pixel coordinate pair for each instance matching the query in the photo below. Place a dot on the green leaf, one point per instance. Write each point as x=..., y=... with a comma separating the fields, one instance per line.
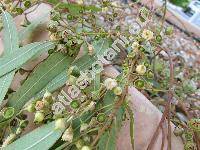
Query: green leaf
x=11, y=44
x=10, y=36
x=41, y=138
x=42, y=75
x=56, y=83
x=5, y=82
x=18, y=58
x=82, y=63
x=108, y=139
x=26, y=32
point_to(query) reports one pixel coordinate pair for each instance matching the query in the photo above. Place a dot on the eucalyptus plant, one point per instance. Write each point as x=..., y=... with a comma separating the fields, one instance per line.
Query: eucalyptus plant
x=75, y=105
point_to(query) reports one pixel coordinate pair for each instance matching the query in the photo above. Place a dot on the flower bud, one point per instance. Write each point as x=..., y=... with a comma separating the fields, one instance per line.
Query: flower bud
x=86, y=148
x=19, y=131
x=55, y=15
x=169, y=30
x=60, y=124
x=194, y=124
x=39, y=117
x=52, y=26
x=23, y=124
x=30, y=108
x=9, y=139
x=72, y=80
x=83, y=127
x=150, y=74
x=110, y=83
x=93, y=122
x=47, y=95
x=39, y=105
x=90, y=49
x=141, y=69
x=135, y=45
x=79, y=144
x=68, y=135
x=147, y=34
x=118, y=90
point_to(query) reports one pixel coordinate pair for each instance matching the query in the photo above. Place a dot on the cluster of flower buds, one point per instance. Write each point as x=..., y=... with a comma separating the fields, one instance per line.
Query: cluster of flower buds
x=41, y=107
x=111, y=84
x=18, y=8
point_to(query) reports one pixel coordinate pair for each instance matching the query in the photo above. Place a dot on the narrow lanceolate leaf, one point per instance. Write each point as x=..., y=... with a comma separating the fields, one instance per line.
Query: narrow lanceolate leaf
x=43, y=74
x=18, y=58
x=10, y=35
x=56, y=83
x=11, y=44
x=108, y=139
x=5, y=82
x=26, y=32
x=41, y=138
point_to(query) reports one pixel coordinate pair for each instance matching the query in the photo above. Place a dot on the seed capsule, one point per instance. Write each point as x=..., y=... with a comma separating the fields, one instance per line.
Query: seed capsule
x=69, y=17
x=9, y=112
x=19, y=10
x=158, y=39
x=139, y=83
x=27, y=4
x=74, y=104
x=101, y=117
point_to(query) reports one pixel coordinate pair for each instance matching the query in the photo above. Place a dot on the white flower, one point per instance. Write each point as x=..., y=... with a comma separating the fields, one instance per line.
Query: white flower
x=135, y=45
x=47, y=95
x=86, y=148
x=118, y=90
x=68, y=135
x=141, y=69
x=60, y=124
x=110, y=83
x=147, y=34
